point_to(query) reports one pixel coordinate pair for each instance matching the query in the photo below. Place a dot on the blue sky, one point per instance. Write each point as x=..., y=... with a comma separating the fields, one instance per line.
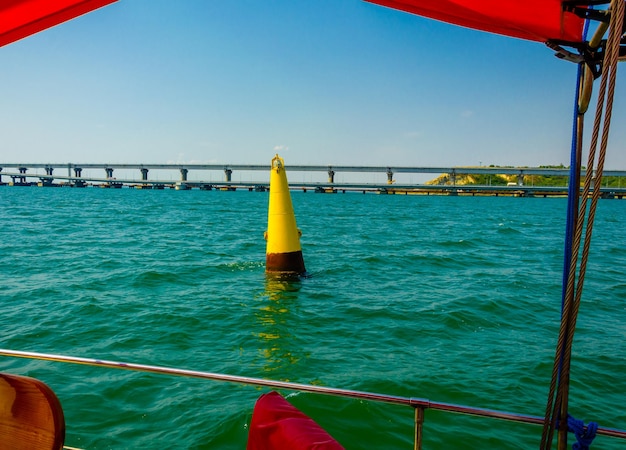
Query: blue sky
x=339, y=82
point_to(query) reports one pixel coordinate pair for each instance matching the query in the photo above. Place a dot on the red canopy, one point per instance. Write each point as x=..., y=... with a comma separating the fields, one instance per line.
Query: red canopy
x=536, y=20
x=21, y=18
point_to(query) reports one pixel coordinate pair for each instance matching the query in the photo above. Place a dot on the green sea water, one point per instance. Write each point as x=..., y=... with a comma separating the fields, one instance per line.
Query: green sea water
x=452, y=299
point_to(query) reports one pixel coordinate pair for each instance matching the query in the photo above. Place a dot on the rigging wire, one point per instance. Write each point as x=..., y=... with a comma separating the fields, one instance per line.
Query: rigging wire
x=557, y=408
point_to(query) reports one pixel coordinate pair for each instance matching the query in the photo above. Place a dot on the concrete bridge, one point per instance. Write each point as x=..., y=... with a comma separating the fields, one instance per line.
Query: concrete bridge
x=19, y=174
x=74, y=170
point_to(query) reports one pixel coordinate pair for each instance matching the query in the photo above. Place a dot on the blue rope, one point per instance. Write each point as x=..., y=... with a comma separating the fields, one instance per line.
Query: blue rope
x=584, y=438
x=572, y=204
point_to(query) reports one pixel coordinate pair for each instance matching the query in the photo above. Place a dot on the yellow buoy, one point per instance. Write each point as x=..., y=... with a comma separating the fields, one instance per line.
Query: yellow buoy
x=283, y=252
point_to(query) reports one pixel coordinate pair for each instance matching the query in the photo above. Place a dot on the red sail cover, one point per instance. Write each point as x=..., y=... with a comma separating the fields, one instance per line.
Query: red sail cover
x=535, y=20
x=21, y=18
x=277, y=425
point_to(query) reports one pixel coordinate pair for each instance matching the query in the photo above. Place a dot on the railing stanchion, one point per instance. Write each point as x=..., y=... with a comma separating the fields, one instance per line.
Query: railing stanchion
x=419, y=424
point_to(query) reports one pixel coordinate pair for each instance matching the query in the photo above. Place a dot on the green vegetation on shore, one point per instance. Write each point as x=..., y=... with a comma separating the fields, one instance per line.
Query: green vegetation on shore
x=528, y=180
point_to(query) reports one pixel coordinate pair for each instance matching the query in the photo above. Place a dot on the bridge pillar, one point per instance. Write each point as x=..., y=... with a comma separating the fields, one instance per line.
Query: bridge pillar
x=453, y=177
x=109, y=172
x=78, y=171
x=520, y=179
x=144, y=174
x=389, y=176
x=331, y=175
x=594, y=180
x=22, y=170
x=183, y=174
x=0, y=175
x=49, y=170
x=228, y=175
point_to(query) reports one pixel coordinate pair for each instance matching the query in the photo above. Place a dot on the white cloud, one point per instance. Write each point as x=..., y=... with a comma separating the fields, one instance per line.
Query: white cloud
x=413, y=134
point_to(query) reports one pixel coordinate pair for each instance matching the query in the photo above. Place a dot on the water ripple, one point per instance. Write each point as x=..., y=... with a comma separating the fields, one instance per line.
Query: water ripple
x=452, y=299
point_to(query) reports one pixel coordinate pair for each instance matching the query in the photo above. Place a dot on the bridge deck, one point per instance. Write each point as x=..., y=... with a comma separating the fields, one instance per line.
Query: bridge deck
x=547, y=171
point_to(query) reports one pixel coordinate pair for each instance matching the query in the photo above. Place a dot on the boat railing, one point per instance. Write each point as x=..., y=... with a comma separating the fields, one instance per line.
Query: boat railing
x=418, y=404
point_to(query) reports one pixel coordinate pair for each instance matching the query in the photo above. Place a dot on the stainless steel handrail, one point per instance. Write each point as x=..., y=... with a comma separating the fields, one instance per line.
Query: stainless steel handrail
x=420, y=404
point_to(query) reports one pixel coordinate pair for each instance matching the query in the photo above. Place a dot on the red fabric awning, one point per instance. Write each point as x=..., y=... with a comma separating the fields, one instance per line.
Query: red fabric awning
x=535, y=20
x=21, y=18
